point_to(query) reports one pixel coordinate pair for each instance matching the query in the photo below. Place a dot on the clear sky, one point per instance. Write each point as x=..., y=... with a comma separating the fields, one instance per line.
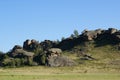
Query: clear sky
x=53, y=19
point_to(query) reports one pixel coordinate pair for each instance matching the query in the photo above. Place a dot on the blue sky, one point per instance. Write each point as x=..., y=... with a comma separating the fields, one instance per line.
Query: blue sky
x=53, y=19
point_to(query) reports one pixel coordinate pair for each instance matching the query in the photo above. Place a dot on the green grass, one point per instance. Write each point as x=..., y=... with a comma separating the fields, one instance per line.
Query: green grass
x=59, y=73
x=62, y=77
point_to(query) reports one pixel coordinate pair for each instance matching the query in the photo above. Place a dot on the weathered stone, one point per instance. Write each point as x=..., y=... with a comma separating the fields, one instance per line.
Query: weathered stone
x=55, y=59
x=47, y=44
x=31, y=45
x=59, y=61
x=17, y=47
x=54, y=52
x=18, y=51
x=91, y=35
x=112, y=30
x=98, y=31
x=118, y=36
x=22, y=52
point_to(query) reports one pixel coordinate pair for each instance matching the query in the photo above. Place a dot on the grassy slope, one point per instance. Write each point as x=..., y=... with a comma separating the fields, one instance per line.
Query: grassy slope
x=105, y=67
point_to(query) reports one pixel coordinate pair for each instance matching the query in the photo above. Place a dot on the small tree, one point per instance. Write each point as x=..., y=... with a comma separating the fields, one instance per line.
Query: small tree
x=18, y=62
x=8, y=62
x=1, y=56
x=63, y=38
x=72, y=36
x=43, y=59
x=76, y=34
x=57, y=41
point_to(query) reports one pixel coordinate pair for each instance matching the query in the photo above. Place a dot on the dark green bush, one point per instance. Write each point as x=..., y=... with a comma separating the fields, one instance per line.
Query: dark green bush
x=8, y=62
x=1, y=56
x=43, y=59
x=40, y=58
x=17, y=62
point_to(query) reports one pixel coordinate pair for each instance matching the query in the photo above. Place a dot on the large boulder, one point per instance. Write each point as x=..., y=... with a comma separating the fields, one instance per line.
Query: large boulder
x=54, y=52
x=18, y=51
x=54, y=58
x=21, y=52
x=59, y=61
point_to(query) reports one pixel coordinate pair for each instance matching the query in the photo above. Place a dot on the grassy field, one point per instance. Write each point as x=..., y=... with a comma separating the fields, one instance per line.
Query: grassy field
x=63, y=77
x=60, y=73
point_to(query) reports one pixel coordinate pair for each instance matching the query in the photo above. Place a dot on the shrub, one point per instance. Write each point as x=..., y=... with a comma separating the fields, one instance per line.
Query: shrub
x=40, y=58
x=17, y=62
x=1, y=56
x=30, y=62
x=63, y=38
x=43, y=59
x=76, y=34
x=10, y=62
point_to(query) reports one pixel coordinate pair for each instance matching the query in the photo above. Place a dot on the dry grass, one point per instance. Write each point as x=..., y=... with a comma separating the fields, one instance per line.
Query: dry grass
x=60, y=73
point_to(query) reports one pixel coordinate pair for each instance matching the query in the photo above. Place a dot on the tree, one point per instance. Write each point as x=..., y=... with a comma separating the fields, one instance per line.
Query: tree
x=1, y=55
x=1, y=52
x=76, y=34
x=57, y=41
x=63, y=38
x=72, y=36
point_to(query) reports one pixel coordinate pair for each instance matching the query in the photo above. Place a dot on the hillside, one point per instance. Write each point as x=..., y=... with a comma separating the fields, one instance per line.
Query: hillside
x=95, y=48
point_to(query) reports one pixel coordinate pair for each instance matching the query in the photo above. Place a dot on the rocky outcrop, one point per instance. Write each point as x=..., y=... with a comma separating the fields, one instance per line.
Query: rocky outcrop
x=91, y=35
x=95, y=34
x=17, y=47
x=99, y=36
x=31, y=45
x=117, y=36
x=54, y=52
x=68, y=43
x=47, y=44
x=22, y=53
x=111, y=30
x=50, y=52
x=59, y=61
x=18, y=52
x=55, y=59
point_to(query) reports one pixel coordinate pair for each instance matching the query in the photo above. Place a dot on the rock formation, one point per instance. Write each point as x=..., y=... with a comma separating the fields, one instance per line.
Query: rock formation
x=50, y=53
x=55, y=59
x=47, y=44
x=30, y=45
